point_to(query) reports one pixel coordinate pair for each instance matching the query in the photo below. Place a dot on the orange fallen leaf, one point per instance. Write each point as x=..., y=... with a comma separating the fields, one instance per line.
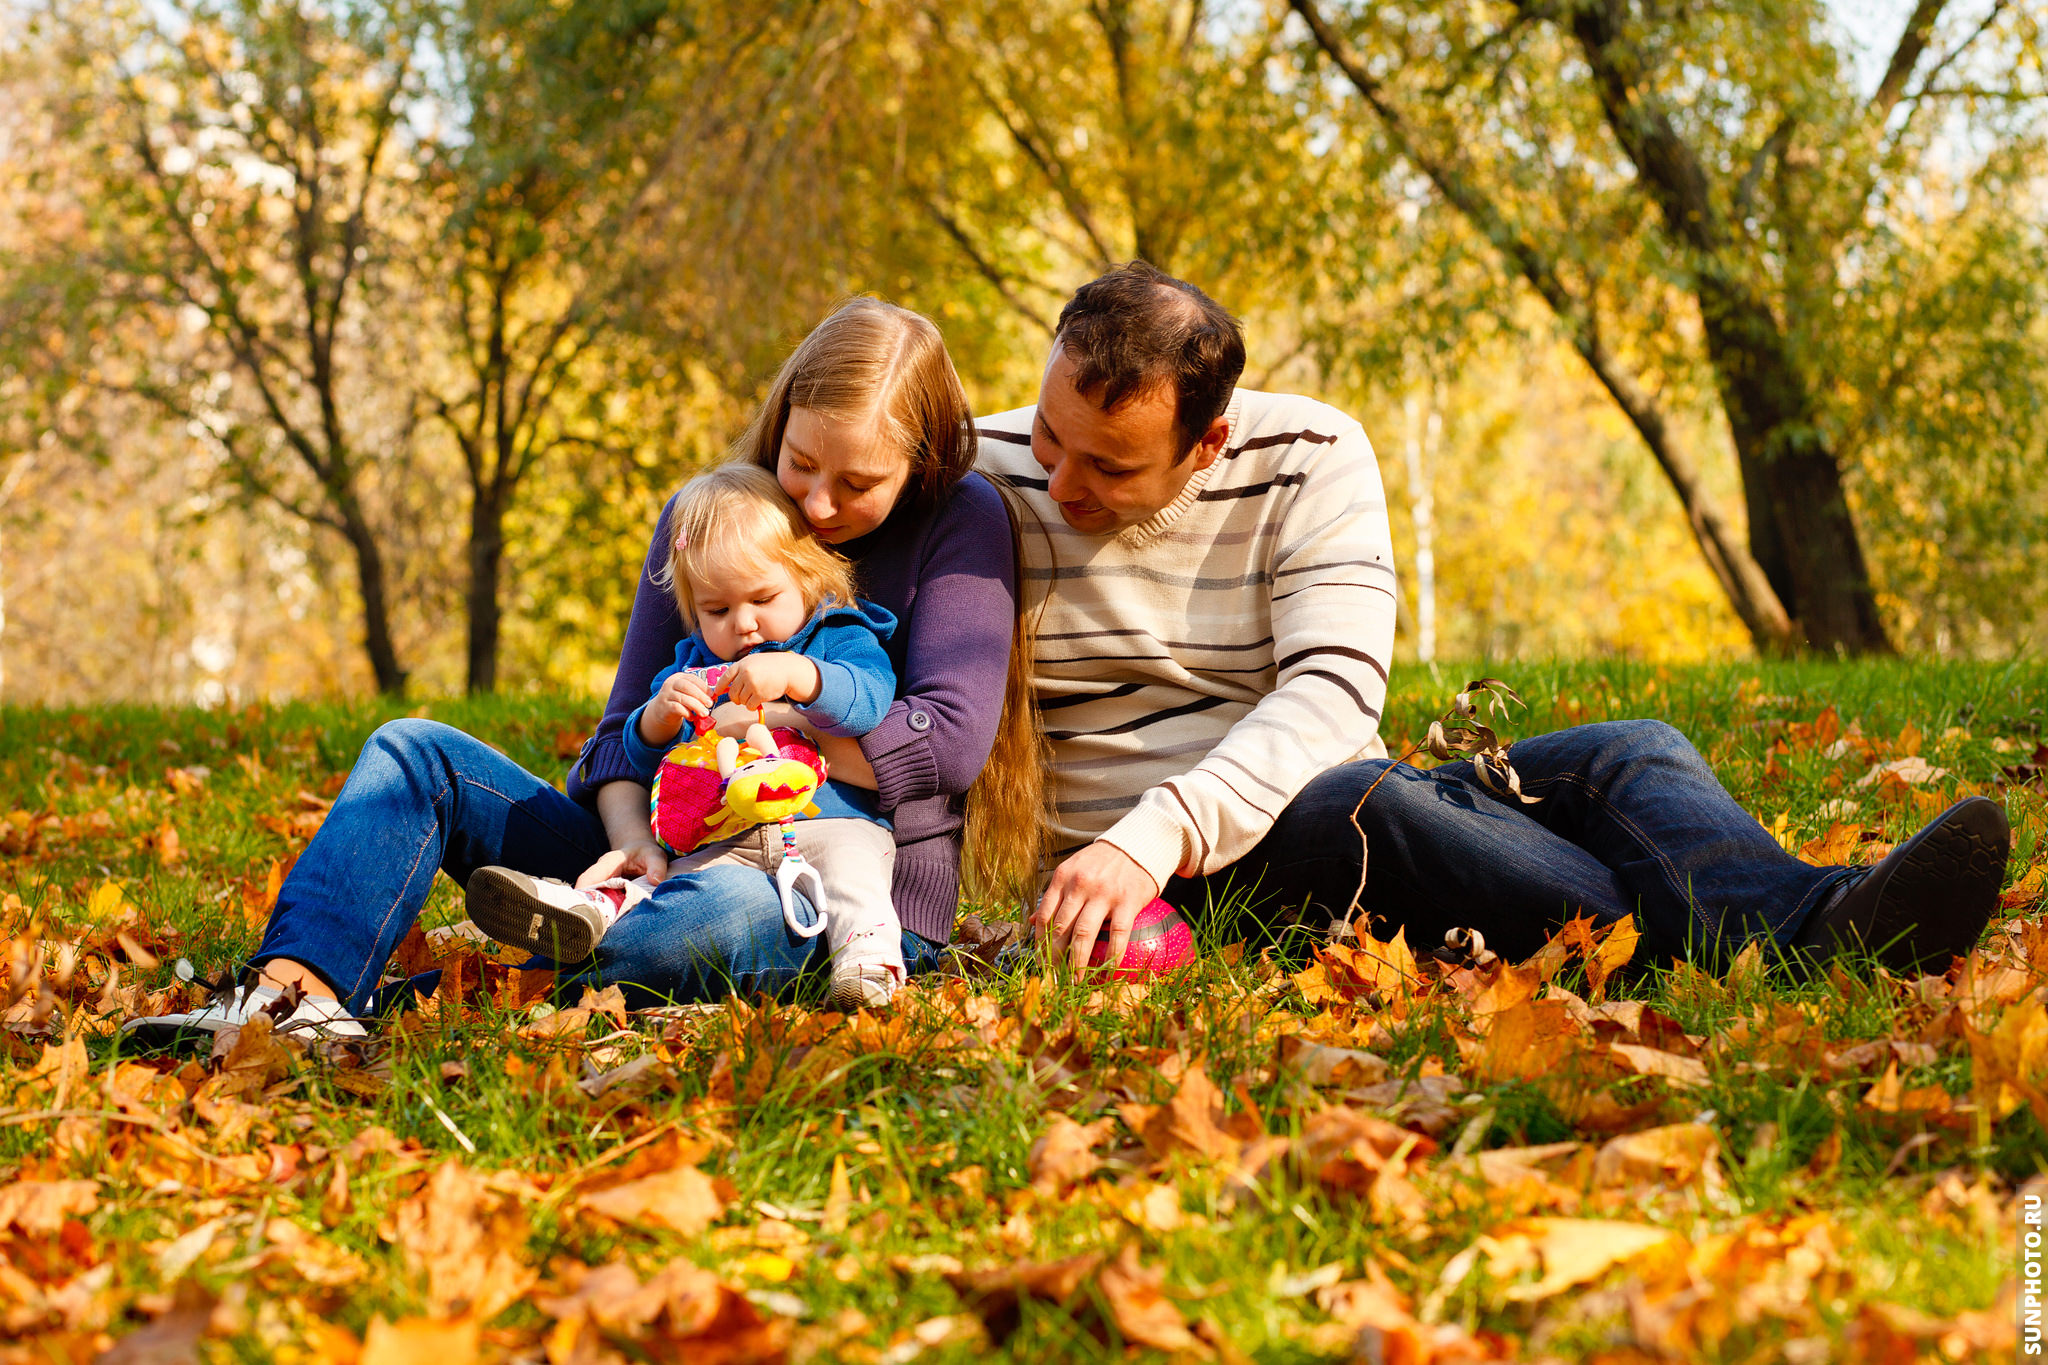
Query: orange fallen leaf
x=682, y=1312
x=41, y=1206
x=1834, y=848
x=682, y=1199
x=1569, y=1251
x=420, y=1341
x=2024, y=893
x=1140, y=1310
x=1677, y=1154
x=457, y=1230
x=1524, y=1042
x=1192, y=1121
x=995, y=1295
x=1615, y=950
x=1650, y=1061
x=1065, y=1156
x=1321, y=1064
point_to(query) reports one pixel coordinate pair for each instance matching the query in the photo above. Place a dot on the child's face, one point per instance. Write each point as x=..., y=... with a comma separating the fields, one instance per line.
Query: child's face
x=748, y=605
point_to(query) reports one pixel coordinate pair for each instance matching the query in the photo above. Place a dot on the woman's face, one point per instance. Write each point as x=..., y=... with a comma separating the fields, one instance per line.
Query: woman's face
x=843, y=474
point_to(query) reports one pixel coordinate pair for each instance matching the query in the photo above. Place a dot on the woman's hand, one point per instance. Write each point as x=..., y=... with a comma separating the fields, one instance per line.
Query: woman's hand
x=682, y=696
x=761, y=678
x=643, y=858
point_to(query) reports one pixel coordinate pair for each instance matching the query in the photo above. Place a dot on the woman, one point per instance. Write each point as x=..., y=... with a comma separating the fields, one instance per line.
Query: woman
x=868, y=429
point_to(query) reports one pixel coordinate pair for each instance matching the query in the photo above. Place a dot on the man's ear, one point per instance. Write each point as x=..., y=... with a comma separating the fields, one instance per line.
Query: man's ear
x=1211, y=444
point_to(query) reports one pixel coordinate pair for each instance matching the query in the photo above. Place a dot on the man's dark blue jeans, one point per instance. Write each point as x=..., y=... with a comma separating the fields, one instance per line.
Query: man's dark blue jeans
x=1630, y=821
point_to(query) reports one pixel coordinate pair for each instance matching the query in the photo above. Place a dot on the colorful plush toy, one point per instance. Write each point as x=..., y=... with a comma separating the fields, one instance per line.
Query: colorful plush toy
x=714, y=784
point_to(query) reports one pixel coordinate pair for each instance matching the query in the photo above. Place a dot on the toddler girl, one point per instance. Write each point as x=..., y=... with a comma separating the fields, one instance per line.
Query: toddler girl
x=774, y=623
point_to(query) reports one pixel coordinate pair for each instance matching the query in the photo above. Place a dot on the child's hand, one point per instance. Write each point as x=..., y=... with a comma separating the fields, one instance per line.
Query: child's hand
x=641, y=858
x=762, y=678
x=683, y=695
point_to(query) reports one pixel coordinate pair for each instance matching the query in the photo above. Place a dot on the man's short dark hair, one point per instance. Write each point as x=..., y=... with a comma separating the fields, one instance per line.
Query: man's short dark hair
x=1136, y=327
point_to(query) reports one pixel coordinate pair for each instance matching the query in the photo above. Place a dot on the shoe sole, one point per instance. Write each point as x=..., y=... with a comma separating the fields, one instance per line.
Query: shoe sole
x=502, y=904
x=1957, y=864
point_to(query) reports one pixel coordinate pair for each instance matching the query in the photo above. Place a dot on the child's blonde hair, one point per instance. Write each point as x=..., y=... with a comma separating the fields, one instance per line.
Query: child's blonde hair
x=736, y=516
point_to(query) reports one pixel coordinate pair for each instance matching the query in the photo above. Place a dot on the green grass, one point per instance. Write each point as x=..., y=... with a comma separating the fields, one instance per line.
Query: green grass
x=933, y=1125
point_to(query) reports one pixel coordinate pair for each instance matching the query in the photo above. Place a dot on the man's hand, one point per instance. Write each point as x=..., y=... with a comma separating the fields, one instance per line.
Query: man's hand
x=642, y=858
x=683, y=695
x=761, y=678
x=1099, y=885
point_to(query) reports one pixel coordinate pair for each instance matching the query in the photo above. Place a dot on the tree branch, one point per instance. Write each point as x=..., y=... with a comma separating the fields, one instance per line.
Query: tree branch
x=1912, y=43
x=982, y=264
x=1741, y=578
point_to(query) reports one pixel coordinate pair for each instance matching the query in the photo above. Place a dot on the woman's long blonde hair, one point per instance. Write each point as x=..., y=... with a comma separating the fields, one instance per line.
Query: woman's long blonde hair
x=874, y=358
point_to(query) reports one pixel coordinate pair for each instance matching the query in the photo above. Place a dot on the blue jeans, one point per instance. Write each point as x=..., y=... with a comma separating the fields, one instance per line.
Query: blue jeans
x=425, y=798
x=1631, y=823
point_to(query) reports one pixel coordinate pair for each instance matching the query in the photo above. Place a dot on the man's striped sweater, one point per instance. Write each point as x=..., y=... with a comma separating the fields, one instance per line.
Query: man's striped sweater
x=1197, y=670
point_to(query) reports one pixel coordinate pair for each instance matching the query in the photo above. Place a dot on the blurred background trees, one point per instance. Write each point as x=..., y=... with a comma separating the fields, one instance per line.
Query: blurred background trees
x=342, y=344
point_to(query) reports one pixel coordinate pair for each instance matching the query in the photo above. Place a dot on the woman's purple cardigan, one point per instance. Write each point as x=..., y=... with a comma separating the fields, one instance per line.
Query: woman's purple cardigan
x=950, y=577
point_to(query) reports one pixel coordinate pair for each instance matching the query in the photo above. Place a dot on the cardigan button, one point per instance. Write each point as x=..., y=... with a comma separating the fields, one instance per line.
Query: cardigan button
x=920, y=722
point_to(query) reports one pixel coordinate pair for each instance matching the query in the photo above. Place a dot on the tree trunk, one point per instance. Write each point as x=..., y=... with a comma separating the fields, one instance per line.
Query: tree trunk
x=1423, y=433
x=376, y=610
x=1800, y=532
x=1800, y=529
x=18, y=471
x=486, y=563
x=1748, y=587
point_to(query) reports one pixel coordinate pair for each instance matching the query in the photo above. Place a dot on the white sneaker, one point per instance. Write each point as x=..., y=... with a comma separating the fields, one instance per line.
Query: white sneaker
x=318, y=1016
x=863, y=974
x=544, y=915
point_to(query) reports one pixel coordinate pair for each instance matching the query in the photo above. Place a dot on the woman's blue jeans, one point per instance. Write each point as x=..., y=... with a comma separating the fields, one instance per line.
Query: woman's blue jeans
x=1630, y=822
x=425, y=798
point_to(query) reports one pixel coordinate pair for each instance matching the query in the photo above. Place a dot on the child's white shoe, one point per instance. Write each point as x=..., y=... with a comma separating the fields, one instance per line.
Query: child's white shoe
x=865, y=973
x=543, y=915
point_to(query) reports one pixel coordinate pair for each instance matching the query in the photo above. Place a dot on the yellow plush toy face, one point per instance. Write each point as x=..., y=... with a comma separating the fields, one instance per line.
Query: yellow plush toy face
x=767, y=790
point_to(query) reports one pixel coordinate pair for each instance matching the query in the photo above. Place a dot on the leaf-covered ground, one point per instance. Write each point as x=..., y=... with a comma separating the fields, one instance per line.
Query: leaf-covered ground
x=1363, y=1155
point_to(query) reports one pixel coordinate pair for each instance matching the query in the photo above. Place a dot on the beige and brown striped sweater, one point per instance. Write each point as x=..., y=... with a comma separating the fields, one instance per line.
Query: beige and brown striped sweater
x=1197, y=670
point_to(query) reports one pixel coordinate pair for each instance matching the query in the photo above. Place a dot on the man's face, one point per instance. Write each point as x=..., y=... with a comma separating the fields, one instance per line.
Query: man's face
x=1110, y=470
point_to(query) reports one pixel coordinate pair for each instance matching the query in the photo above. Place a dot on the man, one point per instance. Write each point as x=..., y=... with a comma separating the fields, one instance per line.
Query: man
x=1211, y=661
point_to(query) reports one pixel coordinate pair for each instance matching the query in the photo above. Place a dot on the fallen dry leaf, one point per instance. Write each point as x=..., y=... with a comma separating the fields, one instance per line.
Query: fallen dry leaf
x=1569, y=1251
x=2023, y=894
x=1322, y=1065
x=682, y=1312
x=1140, y=1310
x=1650, y=1061
x=682, y=1199
x=1677, y=1154
x=456, y=1232
x=1065, y=1156
x=41, y=1206
x=994, y=1295
x=1191, y=1122
x=420, y=1341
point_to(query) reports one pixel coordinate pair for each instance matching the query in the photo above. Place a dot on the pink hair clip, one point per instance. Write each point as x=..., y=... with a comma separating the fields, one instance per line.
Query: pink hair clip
x=683, y=539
